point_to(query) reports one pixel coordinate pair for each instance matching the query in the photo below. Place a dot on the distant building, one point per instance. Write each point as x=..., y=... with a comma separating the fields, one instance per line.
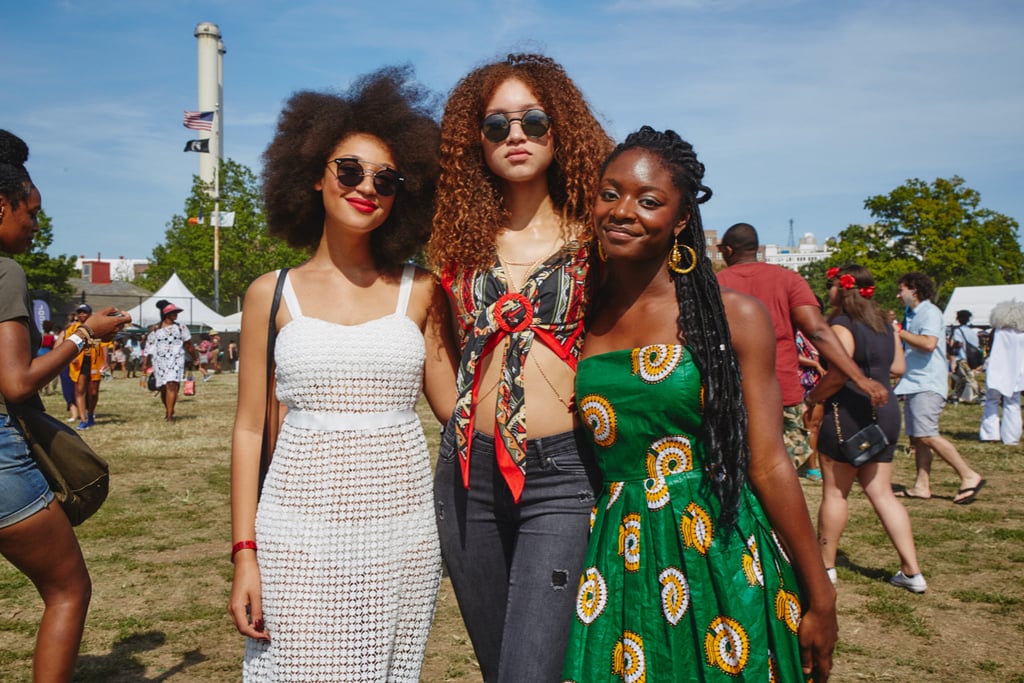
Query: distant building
x=806, y=252
x=103, y=271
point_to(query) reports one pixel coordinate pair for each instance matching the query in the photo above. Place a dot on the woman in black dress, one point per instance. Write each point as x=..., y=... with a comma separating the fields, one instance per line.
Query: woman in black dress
x=870, y=339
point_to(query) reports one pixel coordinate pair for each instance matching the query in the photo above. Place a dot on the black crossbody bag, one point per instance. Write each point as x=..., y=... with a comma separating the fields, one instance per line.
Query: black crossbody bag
x=868, y=442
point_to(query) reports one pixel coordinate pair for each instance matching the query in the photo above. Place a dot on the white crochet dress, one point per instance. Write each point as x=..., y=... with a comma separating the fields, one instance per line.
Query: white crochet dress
x=348, y=549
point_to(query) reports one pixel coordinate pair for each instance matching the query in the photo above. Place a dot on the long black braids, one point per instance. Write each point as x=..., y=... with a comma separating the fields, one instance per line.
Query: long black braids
x=703, y=325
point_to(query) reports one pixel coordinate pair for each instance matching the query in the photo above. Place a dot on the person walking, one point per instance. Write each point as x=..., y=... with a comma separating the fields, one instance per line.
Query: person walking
x=870, y=340
x=793, y=306
x=35, y=535
x=1004, y=375
x=965, y=386
x=166, y=347
x=337, y=563
x=520, y=150
x=924, y=388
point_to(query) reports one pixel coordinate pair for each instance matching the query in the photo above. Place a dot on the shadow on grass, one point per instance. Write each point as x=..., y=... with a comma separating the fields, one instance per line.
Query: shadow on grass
x=121, y=664
x=843, y=560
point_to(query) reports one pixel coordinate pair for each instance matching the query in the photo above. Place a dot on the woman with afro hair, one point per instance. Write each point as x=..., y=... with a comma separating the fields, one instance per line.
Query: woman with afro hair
x=337, y=562
x=520, y=151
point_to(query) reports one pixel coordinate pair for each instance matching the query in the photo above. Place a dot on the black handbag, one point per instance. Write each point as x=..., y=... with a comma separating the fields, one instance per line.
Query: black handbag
x=860, y=448
x=78, y=477
x=869, y=441
x=974, y=356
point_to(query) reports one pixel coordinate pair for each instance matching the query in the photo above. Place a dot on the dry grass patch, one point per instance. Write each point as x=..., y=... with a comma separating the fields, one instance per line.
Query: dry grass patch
x=158, y=554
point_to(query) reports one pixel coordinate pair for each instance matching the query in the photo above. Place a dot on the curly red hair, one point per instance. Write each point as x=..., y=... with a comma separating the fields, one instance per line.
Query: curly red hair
x=469, y=204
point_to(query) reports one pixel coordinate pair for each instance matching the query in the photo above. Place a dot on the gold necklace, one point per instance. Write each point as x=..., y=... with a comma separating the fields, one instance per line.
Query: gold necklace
x=570, y=404
x=531, y=267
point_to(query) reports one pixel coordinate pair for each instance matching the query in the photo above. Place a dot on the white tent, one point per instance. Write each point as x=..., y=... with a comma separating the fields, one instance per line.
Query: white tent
x=232, y=323
x=195, y=313
x=980, y=301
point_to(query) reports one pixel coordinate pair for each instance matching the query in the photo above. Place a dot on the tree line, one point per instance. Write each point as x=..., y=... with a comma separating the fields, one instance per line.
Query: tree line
x=938, y=228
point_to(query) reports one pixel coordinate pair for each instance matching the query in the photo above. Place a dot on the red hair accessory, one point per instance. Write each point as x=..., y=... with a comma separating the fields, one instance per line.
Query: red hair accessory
x=867, y=292
x=831, y=272
x=847, y=281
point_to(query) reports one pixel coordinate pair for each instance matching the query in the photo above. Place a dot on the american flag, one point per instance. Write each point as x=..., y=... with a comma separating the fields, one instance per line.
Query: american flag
x=199, y=120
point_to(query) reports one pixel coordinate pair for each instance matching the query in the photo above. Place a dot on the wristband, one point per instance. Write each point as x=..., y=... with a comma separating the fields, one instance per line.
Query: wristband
x=242, y=545
x=77, y=341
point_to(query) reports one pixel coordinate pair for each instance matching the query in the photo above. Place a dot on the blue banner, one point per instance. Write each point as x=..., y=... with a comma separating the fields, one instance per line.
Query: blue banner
x=40, y=312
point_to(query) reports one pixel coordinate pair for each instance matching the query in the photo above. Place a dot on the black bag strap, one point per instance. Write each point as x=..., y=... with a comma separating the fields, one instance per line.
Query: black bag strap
x=275, y=304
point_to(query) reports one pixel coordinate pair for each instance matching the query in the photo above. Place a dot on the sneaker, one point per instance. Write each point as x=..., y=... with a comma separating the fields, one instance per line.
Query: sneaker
x=831, y=571
x=914, y=584
x=82, y=426
x=92, y=420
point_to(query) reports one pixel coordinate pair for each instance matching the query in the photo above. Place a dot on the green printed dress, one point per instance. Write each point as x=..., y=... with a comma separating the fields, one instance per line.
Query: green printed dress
x=665, y=595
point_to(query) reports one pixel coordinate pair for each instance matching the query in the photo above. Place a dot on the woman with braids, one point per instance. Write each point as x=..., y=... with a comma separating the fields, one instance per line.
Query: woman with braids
x=35, y=535
x=337, y=565
x=869, y=338
x=702, y=563
x=520, y=152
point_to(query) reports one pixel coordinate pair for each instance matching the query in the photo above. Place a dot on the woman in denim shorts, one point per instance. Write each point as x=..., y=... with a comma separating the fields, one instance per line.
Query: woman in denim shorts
x=35, y=535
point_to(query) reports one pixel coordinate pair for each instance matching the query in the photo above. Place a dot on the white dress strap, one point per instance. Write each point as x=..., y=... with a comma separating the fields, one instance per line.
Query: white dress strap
x=405, y=289
x=289, y=297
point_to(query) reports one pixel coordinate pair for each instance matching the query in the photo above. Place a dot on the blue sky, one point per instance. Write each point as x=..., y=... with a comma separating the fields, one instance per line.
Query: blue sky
x=800, y=109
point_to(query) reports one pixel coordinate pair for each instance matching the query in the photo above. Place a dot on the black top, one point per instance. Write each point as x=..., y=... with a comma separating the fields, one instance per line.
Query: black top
x=873, y=352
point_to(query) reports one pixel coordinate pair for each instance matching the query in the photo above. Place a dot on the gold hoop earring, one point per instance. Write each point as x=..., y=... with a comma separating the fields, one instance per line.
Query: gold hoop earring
x=675, y=257
x=600, y=250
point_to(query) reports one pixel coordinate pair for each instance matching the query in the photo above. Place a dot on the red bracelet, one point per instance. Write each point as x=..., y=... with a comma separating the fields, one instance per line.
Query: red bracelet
x=242, y=545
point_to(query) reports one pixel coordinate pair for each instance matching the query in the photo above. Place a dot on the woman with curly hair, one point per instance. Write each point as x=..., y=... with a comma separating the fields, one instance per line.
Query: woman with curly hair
x=869, y=338
x=35, y=535
x=702, y=563
x=520, y=150
x=337, y=564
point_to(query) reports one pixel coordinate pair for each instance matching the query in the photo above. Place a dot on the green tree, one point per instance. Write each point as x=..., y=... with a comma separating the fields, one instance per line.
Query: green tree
x=937, y=228
x=47, y=275
x=246, y=250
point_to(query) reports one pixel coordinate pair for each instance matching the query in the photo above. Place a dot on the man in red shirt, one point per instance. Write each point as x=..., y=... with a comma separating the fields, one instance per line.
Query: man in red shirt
x=792, y=306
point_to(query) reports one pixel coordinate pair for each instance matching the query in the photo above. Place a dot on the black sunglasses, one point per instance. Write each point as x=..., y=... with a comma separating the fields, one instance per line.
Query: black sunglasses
x=535, y=123
x=350, y=173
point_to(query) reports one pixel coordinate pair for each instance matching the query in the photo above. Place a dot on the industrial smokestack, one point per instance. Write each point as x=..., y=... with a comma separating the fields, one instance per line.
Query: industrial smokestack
x=211, y=95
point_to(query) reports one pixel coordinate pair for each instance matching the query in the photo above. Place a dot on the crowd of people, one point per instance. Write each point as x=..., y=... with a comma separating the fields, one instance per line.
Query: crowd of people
x=165, y=351
x=646, y=523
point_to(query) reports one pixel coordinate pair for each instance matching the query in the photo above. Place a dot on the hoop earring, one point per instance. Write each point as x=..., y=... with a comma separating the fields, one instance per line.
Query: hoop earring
x=600, y=250
x=675, y=257
x=2, y=209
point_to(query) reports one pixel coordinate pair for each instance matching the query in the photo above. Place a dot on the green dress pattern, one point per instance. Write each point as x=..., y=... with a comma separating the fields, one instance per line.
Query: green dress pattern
x=665, y=595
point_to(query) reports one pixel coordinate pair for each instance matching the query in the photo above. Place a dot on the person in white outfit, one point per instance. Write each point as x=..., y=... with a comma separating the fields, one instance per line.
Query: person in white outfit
x=1004, y=375
x=348, y=567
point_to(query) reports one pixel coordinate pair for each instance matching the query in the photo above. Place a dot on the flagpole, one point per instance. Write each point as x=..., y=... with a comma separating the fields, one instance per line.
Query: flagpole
x=216, y=228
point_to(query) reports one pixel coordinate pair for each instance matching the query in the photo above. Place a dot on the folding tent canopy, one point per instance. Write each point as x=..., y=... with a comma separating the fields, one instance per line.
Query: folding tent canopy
x=195, y=314
x=980, y=301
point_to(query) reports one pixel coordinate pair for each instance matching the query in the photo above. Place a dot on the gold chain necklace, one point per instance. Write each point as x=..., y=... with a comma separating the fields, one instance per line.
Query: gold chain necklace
x=505, y=263
x=571, y=403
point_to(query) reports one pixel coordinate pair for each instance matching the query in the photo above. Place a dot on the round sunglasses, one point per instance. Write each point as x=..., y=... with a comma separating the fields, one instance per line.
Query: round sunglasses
x=535, y=123
x=350, y=173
